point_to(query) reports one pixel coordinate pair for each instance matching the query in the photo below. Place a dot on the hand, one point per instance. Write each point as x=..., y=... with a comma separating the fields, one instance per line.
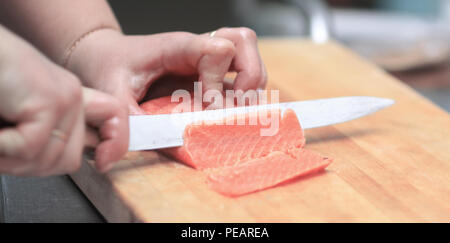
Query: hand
x=44, y=106
x=126, y=66
x=110, y=118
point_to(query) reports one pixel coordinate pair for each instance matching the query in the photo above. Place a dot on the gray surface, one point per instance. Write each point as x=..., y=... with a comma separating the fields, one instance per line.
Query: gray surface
x=51, y=199
x=440, y=97
x=2, y=217
x=146, y=17
x=266, y=17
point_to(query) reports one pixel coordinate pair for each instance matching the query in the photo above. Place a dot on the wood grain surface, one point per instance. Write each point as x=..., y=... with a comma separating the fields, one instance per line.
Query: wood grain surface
x=392, y=166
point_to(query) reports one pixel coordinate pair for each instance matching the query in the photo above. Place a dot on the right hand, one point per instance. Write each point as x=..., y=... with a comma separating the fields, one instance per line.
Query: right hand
x=45, y=104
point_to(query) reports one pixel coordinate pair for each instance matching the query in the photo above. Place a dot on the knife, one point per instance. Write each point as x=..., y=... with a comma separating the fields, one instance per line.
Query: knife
x=164, y=131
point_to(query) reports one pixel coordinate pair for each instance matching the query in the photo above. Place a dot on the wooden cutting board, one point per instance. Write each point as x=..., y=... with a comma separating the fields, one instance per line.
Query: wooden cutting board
x=393, y=165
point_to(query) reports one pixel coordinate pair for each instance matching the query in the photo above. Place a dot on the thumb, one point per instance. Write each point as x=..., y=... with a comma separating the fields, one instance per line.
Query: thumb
x=110, y=117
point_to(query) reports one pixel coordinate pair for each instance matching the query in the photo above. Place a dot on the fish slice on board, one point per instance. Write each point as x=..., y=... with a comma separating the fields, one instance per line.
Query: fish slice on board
x=237, y=159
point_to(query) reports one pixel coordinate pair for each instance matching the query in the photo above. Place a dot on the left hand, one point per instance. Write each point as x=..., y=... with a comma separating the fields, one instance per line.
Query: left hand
x=126, y=66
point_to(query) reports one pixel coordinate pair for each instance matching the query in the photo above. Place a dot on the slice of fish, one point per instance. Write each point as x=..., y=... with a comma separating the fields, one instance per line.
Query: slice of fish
x=237, y=159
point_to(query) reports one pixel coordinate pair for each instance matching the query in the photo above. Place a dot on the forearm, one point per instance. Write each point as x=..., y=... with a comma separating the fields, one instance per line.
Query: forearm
x=10, y=47
x=54, y=26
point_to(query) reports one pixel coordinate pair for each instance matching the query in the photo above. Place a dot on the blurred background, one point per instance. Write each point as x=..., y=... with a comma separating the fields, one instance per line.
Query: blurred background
x=408, y=38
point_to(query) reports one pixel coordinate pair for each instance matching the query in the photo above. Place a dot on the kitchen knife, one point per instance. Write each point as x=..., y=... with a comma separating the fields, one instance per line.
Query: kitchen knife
x=164, y=131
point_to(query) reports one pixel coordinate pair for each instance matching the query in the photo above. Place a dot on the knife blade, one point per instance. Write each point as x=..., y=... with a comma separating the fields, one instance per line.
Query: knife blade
x=164, y=131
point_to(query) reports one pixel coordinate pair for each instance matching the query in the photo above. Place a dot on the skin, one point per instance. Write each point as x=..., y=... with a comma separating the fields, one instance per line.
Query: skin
x=126, y=66
x=36, y=97
x=105, y=60
x=53, y=26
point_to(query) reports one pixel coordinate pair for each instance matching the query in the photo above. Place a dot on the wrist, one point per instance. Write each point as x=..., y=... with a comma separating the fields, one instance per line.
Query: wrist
x=90, y=50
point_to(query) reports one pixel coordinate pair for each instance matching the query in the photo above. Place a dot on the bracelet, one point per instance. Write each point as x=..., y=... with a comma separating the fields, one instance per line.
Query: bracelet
x=69, y=51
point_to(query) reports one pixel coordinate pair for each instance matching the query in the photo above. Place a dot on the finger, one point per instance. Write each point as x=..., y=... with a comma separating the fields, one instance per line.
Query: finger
x=109, y=115
x=215, y=63
x=247, y=61
x=133, y=106
x=70, y=159
x=11, y=141
x=188, y=54
x=20, y=145
x=263, y=82
x=26, y=140
x=228, y=83
x=68, y=111
x=63, y=152
x=17, y=167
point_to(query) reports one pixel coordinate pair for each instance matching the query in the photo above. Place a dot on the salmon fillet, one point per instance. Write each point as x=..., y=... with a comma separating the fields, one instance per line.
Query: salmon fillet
x=236, y=158
x=265, y=172
x=212, y=146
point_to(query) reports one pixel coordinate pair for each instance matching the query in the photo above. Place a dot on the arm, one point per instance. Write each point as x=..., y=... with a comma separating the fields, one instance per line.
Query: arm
x=54, y=25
